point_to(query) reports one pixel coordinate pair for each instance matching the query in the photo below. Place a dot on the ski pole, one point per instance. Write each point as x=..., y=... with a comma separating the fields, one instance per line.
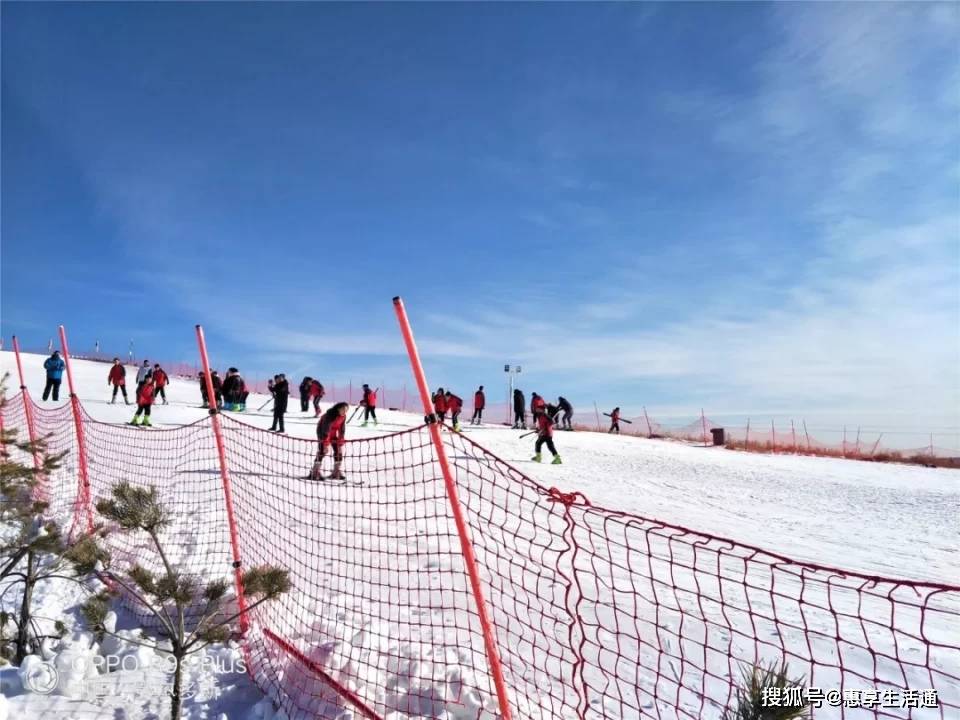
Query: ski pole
x=355, y=411
x=528, y=434
x=265, y=404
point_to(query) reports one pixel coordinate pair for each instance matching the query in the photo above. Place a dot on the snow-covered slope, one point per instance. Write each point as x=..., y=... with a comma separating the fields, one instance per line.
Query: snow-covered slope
x=885, y=519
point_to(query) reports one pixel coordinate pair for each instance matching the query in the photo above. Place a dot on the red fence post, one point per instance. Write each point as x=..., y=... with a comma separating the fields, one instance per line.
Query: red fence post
x=27, y=402
x=773, y=437
x=793, y=433
x=84, y=494
x=844, y=450
x=225, y=478
x=873, y=450
x=493, y=655
x=807, y=434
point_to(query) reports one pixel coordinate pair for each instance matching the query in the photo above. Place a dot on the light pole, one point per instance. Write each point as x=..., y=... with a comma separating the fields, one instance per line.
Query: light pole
x=511, y=371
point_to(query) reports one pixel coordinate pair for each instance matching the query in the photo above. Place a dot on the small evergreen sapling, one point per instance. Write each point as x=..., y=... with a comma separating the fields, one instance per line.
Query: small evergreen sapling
x=170, y=595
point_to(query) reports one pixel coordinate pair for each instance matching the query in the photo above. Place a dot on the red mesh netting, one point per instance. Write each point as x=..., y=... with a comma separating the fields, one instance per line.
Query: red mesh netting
x=597, y=613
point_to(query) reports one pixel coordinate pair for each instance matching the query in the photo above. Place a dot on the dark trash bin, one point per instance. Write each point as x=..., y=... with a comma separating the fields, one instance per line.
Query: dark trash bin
x=718, y=436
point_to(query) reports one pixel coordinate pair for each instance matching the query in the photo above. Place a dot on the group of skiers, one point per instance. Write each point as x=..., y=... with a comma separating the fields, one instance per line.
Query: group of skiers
x=539, y=405
x=231, y=394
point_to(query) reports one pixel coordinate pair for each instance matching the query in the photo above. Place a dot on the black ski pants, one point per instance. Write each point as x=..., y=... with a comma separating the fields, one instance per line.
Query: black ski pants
x=548, y=441
x=52, y=385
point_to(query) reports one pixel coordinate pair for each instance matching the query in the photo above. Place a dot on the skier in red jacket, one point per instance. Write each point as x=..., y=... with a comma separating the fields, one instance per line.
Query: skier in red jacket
x=118, y=378
x=144, y=401
x=479, y=402
x=316, y=393
x=440, y=404
x=545, y=436
x=615, y=421
x=455, y=406
x=537, y=406
x=369, y=404
x=160, y=381
x=331, y=431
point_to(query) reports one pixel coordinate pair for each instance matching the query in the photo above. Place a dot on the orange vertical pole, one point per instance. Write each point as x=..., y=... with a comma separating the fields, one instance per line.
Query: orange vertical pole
x=27, y=402
x=793, y=432
x=225, y=478
x=489, y=639
x=84, y=496
x=773, y=437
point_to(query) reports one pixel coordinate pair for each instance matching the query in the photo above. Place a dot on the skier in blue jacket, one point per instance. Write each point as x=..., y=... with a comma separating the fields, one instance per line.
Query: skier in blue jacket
x=54, y=366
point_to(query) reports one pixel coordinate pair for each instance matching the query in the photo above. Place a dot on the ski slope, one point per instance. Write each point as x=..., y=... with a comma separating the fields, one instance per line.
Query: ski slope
x=894, y=520
x=890, y=520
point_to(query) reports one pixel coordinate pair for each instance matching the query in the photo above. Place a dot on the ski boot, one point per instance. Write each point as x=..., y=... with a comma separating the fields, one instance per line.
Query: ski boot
x=146, y=422
x=363, y=424
x=126, y=402
x=456, y=428
x=557, y=460
x=113, y=401
x=336, y=474
x=536, y=458
x=241, y=407
x=134, y=421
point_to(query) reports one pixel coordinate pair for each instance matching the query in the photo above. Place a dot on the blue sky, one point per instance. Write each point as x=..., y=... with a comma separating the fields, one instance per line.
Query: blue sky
x=747, y=207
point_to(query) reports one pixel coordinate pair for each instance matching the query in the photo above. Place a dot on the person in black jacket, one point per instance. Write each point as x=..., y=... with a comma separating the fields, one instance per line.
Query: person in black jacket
x=217, y=388
x=305, y=393
x=566, y=422
x=281, y=391
x=519, y=410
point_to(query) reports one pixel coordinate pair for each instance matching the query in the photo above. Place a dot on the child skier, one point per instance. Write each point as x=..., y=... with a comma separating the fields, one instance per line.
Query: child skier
x=537, y=406
x=160, y=381
x=369, y=404
x=615, y=421
x=479, y=402
x=440, y=404
x=281, y=391
x=331, y=431
x=316, y=393
x=144, y=401
x=118, y=378
x=454, y=405
x=545, y=436
x=519, y=416
x=305, y=393
x=566, y=422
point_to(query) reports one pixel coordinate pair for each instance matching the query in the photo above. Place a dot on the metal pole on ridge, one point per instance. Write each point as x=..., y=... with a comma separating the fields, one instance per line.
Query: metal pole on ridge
x=489, y=640
x=84, y=495
x=225, y=478
x=27, y=403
